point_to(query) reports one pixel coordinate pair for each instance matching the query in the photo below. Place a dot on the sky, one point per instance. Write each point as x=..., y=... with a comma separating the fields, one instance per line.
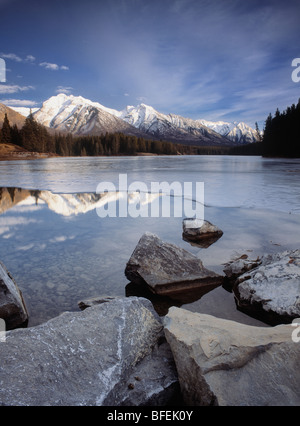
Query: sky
x=228, y=60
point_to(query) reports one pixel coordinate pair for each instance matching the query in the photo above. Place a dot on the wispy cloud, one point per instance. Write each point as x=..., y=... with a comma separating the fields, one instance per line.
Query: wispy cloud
x=12, y=57
x=53, y=67
x=19, y=103
x=14, y=88
x=64, y=89
x=17, y=58
x=30, y=58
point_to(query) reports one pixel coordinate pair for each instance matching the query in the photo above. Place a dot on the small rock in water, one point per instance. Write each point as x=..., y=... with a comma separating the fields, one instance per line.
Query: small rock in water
x=200, y=231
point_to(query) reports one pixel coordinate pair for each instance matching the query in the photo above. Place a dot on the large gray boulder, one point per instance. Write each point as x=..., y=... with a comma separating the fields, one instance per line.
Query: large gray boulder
x=221, y=362
x=12, y=306
x=96, y=357
x=271, y=290
x=167, y=268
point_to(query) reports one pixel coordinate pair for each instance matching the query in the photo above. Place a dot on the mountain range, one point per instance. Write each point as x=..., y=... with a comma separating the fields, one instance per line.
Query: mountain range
x=80, y=116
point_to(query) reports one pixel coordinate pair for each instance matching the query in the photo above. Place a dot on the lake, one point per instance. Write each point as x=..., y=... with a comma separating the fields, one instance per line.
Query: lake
x=60, y=251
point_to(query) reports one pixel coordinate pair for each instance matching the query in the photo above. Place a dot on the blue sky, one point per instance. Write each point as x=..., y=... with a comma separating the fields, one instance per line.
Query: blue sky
x=213, y=59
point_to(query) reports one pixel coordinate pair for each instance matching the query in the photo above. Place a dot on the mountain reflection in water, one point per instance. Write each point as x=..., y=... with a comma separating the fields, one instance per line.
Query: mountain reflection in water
x=71, y=204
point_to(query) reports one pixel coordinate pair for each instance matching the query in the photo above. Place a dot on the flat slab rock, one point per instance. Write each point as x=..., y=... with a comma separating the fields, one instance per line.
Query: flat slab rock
x=167, y=268
x=271, y=290
x=12, y=306
x=222, y=362
x=110, y=354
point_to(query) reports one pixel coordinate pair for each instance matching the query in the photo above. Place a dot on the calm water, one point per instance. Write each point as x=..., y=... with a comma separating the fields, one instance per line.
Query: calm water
x=60, y=251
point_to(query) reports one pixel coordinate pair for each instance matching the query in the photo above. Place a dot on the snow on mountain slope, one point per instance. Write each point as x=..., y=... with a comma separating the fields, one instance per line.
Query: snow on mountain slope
x=237, y=132
x=81, y=116
x=171, y=127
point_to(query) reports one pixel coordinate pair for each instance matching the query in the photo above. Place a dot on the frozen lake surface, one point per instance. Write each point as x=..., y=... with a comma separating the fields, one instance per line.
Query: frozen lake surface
x=60, y=255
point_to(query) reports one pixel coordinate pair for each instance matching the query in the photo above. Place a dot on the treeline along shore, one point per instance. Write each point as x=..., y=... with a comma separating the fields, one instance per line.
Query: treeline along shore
x=34, y=137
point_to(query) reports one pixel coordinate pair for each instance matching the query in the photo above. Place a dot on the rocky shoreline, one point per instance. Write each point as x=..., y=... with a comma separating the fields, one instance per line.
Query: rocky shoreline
x=119, y=352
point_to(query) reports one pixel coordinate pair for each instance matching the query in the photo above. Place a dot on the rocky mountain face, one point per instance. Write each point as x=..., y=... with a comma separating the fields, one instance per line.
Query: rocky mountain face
x=13, y=116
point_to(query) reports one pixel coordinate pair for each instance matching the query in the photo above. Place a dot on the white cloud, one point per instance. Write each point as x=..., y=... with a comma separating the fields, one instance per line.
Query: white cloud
x=30, y=58
x=53, y=67
x=17, y=58
x=49, y=66
x=65, y=90
x=11, y=56
x=18, y=103
x=14, y=88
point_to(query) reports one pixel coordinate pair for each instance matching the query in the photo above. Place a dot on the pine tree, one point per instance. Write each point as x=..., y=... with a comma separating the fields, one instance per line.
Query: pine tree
x=258, y=134
x=6, y=131
x=29, y=134
x=15, y=135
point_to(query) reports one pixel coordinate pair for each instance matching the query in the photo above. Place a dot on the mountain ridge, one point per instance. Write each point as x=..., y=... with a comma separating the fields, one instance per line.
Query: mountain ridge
x=80, y=116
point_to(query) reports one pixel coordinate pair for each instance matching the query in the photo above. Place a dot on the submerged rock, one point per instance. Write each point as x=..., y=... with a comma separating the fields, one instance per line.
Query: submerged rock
x=90, y=358
x=222, y=362
x=97, y=300
x=167, y=268
x=12, y=306
x=201, y=232
x=271, y=291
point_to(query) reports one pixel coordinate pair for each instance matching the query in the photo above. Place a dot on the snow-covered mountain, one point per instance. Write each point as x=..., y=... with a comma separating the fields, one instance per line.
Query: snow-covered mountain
x=171, y=127
x=237, y=132
x=81, y=116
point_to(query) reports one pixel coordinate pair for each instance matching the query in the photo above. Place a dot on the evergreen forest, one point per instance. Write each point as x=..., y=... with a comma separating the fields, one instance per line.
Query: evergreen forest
x=282, y=133
x=35, y=137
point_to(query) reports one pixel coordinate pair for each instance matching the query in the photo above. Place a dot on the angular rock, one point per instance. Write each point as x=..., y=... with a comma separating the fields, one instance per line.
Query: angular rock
x=12, y=307
x=166, y=268
x=88, y=358
x=239, y=266
x=201, y=231
x=271, y=291
x=221, y=362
